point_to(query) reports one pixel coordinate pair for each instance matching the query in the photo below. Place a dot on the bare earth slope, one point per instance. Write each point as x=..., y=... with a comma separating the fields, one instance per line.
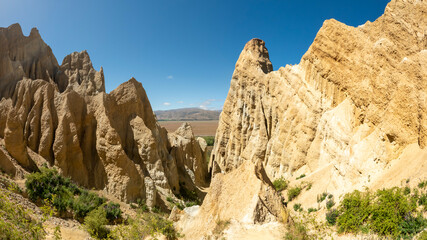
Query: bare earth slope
x=62, y=116
x=352, y=114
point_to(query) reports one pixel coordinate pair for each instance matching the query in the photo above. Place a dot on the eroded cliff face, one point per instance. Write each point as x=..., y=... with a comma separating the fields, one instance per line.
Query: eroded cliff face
x=62, y=116
x=349, y=111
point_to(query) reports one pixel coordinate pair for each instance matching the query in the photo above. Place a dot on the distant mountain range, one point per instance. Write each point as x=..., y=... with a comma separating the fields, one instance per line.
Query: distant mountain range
x=187, y=114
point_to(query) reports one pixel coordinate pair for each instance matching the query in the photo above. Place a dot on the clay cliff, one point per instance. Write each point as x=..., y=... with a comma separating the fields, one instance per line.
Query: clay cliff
x=352, y=113
x=61, y=116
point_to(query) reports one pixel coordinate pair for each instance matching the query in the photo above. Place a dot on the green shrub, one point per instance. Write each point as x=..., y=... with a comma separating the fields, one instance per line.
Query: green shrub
x=294, y=192
x=354, y=211
x=389, y=210
x=407, y=190
x=155, y=209
x=310, y=210
x=422, y=201
x=301, y=176
x=210, y=140
x=412, y=225
x=331, y=216
x=423, y=236
x=330, y=203
x=95, y=223
x=297, y=206
x=422, y=184
x=144, y=225
x=85, y=203
x=280, y=184
x=113, y=211
x=321, y=197
x=49, y=185
x=191, y=203
x=16, y=223
x=330, y=196
x=142, y=205
x=157, y=224
x=297, y=231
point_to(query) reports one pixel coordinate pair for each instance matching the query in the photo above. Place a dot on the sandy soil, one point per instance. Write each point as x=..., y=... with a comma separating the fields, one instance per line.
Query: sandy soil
x=200, y=128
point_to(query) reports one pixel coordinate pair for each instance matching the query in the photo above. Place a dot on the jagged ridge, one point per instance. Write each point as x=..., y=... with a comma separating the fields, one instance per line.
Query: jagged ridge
x=61, y=116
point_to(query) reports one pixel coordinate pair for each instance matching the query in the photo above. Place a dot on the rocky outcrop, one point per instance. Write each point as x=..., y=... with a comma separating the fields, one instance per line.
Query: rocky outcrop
x=190, y=155
x=78, y=72
x=244, y=197
x=351, y=107
x=22, y=56
x=102, y=141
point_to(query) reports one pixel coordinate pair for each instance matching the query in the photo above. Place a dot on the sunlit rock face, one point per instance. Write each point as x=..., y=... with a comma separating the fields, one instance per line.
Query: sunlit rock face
x=350, y=111
x=62, y=116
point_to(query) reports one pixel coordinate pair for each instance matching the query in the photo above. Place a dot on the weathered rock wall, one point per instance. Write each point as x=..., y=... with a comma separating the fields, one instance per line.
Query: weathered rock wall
x=356, y=101
x=64, y=118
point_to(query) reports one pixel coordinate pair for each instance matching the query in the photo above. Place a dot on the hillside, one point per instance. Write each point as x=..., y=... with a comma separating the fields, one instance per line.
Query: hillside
x=187, y=114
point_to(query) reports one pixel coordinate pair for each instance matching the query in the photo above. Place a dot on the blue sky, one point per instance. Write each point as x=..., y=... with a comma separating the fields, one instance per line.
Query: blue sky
x=182, y=51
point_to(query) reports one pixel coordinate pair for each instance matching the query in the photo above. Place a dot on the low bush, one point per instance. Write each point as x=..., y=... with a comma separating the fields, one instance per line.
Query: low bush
x=301, y=176
x=113, y=212
x=388, y=212
x=321, y=197
x=297, y=231
x=407, y=190
x=412, y=225
x=157, y=224
x=294, y=192
x=330, y=203
x=95, y=223
x=280, y=184
x=422, y=201
x=16, y=223
x=422, y=184
x=331, y=216
x=49, y=185
x=297, y=206
x=210, y=140
x=310, y=210
x=141, y=205
x=354, y=211
x=423, y=236
x=86, y=202
x=144, y=225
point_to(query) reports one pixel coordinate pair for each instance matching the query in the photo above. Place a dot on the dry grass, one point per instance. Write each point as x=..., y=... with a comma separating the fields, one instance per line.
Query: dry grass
x=200, y=128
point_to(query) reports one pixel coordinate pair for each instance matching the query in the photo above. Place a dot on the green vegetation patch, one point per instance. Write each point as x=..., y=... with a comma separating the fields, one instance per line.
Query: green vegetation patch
x=294, y=192
x=144, y=225
x=16, y=222
x=66, y=197
x=280, y=184
x=389, y=212
x=210, y=140
x=301, y=176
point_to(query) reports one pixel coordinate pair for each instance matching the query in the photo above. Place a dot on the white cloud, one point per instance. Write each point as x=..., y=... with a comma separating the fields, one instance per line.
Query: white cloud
x=167, y=103
x=169, y=77
x=180, y=102
x=207, y=105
